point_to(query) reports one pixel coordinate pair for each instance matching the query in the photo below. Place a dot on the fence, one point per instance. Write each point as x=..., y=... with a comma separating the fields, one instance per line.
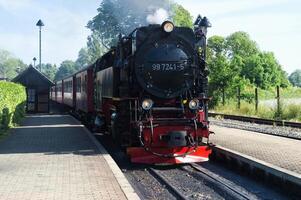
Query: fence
x=255, y=101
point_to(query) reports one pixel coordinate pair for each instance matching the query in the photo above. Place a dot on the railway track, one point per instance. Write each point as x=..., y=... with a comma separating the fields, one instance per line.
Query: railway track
x=226, y=188
x=235, y=190
x=258, y=120
x=163, y=180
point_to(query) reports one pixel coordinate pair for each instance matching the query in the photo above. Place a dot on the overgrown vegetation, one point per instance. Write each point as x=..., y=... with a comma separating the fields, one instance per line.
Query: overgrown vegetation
x=291, y=112
x=290, y=103
x=9, y=65
x=12, y=104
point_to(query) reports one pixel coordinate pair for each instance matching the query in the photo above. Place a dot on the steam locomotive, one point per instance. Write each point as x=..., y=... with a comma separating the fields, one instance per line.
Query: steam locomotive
x=149, y=92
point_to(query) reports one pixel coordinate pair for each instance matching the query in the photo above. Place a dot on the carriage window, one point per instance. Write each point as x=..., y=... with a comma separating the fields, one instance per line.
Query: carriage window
x=85, y=83
x=78, y=84
x=68, y=87
x=98, y=95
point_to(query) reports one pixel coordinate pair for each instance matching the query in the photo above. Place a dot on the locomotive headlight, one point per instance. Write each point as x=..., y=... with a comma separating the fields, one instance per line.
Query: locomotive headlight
x=194, y=104
x=147, y=104
x=168, y=26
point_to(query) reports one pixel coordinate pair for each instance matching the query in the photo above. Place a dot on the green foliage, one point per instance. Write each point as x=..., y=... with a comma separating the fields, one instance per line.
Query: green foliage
x=116, y=17
x=67, y=67
x=239, y=43
x=12, y=103
x=9, y=65
x=181, y=16
x=295, y=78
x=236, y=61
x=95, y=47
x=83, y=58
x=49, y=70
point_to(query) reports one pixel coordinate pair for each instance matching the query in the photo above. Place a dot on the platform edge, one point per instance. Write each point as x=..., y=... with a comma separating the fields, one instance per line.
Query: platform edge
x=280, y=172
x=124, y=184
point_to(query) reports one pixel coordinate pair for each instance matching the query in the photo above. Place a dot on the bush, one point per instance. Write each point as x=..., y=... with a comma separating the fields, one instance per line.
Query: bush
x=292, y=112
x=12, y=103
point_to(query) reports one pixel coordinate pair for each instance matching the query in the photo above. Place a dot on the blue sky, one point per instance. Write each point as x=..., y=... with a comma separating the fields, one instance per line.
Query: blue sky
x=274, y=24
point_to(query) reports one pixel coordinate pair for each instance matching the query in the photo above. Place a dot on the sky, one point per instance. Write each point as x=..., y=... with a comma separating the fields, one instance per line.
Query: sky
x=274, y=24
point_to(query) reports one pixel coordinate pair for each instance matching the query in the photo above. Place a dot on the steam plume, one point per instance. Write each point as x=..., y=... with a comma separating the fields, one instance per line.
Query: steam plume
x=159, y=16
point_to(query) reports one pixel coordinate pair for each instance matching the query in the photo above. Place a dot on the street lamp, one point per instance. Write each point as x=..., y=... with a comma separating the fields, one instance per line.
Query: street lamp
x=40, y=24
x=34, y=62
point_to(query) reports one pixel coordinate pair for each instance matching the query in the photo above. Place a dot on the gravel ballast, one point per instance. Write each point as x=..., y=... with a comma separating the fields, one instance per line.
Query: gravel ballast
x=267, y=129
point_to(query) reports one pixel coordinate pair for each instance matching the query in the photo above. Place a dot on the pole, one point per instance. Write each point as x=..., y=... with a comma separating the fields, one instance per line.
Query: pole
x=278, y=101
x=238, y=97
x=223, y=96
x=40, y=47
x=256, y=100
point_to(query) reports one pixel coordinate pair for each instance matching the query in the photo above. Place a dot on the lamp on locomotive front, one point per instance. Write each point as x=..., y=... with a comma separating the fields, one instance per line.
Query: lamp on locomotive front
x=168, y=26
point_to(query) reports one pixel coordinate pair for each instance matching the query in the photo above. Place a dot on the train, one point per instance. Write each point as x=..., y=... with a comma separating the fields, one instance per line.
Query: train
x=149, y=92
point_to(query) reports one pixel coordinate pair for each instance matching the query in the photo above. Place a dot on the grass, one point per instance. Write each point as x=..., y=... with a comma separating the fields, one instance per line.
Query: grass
x=291, y=112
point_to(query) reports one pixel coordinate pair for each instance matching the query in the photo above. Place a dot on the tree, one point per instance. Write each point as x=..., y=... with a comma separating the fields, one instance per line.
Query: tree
x=95, y=47
x=9, y=65
x=217, y=45
x=236, y=61
x=273, y=74
x=116, y=17
x=181, y=17
x=239, y=43
x=83, y=58
x=295, y=78
x=49, y=70
x=105, y=25
x=67, y=67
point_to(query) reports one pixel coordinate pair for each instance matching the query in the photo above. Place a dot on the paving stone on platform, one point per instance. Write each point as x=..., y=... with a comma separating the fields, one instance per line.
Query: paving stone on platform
x=279, y=151
x=52, y=157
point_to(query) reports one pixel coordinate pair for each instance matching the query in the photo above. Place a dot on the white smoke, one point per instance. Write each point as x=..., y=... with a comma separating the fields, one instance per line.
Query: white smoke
x=159, y=16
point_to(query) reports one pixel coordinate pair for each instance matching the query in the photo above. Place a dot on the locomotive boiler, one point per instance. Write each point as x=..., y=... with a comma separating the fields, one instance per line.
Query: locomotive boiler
x=150, y=93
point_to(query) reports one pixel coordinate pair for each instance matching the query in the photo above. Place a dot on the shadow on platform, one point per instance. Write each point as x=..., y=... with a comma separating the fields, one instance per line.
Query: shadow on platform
x=49, y=134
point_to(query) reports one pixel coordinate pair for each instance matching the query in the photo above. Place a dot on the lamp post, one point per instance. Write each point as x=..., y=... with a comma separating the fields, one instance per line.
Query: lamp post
x=34, y=62
x=40, y=24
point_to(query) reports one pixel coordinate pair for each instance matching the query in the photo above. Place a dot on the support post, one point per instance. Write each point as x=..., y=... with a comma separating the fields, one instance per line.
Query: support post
x=223, y=91
x=238, y=97
x=278, y=100
x=256, y=100
x=40, y=48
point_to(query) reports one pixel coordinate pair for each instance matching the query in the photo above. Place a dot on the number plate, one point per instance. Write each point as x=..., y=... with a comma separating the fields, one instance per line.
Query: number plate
x=168, y=66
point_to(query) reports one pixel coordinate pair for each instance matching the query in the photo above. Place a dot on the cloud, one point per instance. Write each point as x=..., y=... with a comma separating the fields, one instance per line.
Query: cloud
x=14, y=5
x=221, y=7
x=63, y=35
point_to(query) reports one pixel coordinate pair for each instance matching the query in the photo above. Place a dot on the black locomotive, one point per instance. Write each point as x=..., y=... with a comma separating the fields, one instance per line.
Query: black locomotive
x=150, y=92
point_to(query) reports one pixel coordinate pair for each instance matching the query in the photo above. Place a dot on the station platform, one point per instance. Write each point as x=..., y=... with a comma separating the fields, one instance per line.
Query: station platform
x=55, y=157
x=279, y=151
